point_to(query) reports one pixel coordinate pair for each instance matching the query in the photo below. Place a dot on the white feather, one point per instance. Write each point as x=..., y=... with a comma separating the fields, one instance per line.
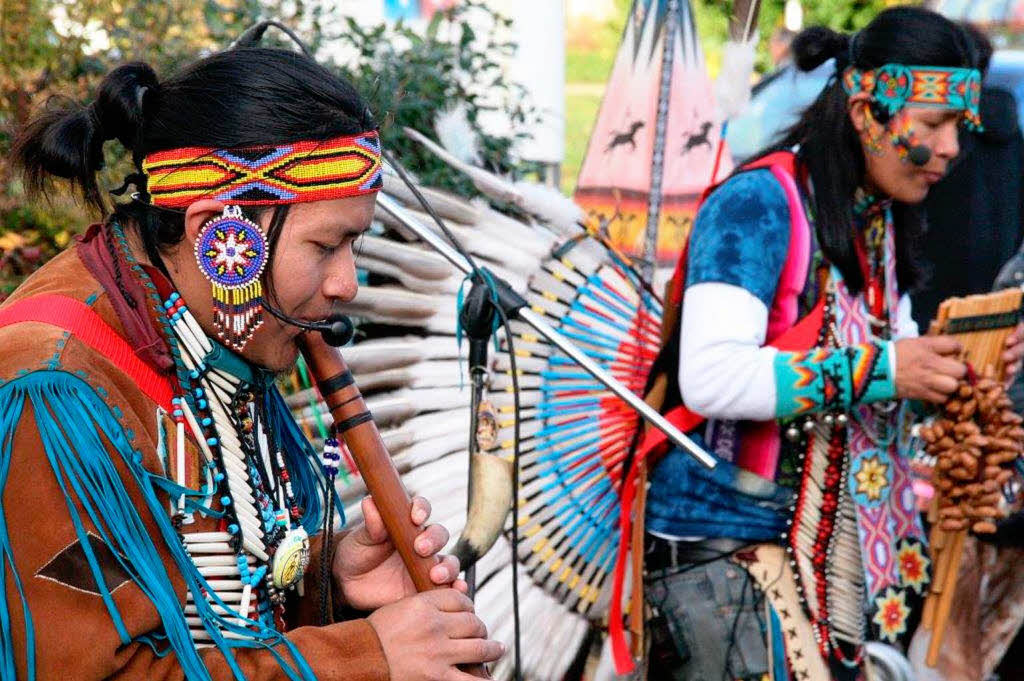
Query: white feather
x=488, y=183
x=551, y=206
x=732, y=89
x=606, y=666
x=456, y=134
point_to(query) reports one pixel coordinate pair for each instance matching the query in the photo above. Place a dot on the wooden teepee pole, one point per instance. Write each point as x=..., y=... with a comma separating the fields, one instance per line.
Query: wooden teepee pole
x=743, y=21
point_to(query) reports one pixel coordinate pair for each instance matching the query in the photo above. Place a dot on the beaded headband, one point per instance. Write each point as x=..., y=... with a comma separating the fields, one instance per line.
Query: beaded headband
x=296, y=172
x=895, y=86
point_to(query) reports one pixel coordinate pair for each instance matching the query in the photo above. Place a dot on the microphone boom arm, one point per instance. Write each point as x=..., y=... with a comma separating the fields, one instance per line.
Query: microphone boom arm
x=542, y=327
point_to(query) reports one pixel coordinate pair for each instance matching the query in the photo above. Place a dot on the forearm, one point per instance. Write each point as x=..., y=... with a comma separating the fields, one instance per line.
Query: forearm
x=726, y=373
x=827, y=379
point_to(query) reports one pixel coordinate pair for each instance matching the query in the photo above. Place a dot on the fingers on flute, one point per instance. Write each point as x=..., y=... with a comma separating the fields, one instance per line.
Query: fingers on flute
x=937, y=388
x=477, y=651
x=941, y=383
x=420, y=510
x=1016, y=337
x=431, y=540
x=448, y=600
x=373, y=523
x=943, y=345
x=446, y=571
x=465, y=625
x=1013, y=354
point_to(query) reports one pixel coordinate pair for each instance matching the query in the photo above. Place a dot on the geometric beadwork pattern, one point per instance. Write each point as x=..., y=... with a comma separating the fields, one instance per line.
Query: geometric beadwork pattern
x=313, y=170
x=231, y=252
x=897, y=85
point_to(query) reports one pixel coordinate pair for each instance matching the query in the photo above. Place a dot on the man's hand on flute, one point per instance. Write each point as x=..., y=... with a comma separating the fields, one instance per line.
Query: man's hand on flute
x=426, y=635
x=368, y=571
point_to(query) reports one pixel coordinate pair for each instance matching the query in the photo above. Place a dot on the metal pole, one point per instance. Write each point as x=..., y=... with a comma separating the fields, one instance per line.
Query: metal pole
x=541, y=326
x=654, y=196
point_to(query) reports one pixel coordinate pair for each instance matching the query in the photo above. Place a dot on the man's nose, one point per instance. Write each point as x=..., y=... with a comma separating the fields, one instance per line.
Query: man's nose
x=340, y=283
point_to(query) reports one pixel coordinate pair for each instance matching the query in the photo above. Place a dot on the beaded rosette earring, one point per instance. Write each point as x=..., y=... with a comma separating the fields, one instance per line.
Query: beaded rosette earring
x=232, y=252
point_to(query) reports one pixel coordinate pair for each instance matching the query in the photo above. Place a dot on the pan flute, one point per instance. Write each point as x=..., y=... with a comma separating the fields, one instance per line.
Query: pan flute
x=982, y=324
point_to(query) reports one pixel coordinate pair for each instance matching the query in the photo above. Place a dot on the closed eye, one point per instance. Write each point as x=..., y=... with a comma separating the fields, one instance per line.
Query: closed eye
x=349, y=238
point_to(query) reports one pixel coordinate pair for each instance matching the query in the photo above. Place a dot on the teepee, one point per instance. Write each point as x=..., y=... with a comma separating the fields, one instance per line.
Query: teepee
x=653, y=148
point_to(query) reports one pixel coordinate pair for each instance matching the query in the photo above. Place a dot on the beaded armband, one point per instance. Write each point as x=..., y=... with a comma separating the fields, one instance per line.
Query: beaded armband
x=832, y=378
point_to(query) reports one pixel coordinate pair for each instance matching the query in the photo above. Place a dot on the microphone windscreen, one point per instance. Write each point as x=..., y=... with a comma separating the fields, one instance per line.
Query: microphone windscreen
x=338, y=330
x=919, y=155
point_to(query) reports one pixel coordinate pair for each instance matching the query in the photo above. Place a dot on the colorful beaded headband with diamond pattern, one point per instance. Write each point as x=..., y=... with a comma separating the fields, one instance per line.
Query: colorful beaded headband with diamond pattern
x=897, y=85
x=296, y=172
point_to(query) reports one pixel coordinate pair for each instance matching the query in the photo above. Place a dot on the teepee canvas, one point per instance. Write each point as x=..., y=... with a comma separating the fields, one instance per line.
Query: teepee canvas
x=654, y=145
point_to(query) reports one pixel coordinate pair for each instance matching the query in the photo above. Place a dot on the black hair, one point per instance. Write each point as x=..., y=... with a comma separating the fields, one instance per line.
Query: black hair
x=828, y=145
x=245, y=96
x=982, y=45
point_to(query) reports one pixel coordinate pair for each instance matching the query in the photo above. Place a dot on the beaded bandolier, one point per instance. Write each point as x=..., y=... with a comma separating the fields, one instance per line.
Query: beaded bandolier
x=855, y=541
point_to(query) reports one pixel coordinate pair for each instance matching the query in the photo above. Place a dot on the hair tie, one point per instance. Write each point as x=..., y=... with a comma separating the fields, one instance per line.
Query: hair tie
x=851, y=52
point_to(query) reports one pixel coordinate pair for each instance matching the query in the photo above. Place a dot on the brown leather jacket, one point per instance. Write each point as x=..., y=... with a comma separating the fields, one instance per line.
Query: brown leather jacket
x=75, y=637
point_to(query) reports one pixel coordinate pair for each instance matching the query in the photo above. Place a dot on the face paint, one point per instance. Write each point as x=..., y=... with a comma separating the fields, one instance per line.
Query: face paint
x=902, y=135
x=874, y=134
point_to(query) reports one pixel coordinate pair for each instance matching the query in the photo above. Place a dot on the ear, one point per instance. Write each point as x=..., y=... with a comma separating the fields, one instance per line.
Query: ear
x=859, y=111
x=198, y=213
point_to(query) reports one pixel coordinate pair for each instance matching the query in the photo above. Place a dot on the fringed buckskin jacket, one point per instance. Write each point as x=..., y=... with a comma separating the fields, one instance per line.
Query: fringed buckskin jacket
x=95, y=580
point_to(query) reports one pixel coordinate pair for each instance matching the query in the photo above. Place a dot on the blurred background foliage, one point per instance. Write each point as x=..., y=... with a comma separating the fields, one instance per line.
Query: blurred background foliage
x=63, y=48
x=408, y=78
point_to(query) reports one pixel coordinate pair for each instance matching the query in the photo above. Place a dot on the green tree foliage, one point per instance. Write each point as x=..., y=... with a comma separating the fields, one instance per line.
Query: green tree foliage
x=841, y=15
x=64, y=47
x=408, y=78
x=55, y=48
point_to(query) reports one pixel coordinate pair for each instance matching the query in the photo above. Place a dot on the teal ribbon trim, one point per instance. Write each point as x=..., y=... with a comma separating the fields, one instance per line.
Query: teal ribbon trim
x=73, y=422
x=8, y=422
x=308, y=481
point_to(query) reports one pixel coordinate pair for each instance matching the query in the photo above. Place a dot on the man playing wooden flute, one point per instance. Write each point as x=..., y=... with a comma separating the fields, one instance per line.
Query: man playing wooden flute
x=161, y=512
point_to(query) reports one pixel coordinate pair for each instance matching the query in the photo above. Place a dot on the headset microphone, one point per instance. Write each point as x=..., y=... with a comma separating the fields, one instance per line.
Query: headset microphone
x=918, y=154
x=337, y=329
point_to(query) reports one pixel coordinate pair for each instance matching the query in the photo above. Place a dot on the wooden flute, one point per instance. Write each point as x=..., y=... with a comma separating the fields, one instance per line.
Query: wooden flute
x=354, y=423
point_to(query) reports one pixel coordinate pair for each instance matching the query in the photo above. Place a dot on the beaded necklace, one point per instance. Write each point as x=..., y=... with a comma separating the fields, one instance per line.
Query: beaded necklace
x=244, y=461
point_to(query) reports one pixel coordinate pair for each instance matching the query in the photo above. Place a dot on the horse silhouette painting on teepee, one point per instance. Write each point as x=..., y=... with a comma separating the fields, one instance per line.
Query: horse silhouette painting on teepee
x=654, y=145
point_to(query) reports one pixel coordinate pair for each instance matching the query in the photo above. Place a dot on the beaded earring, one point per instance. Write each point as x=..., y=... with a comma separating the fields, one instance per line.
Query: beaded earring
x=232, y=252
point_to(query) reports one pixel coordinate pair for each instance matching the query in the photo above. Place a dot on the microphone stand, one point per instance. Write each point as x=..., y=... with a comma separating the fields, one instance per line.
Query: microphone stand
x=477, y=320
x=516, y=307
